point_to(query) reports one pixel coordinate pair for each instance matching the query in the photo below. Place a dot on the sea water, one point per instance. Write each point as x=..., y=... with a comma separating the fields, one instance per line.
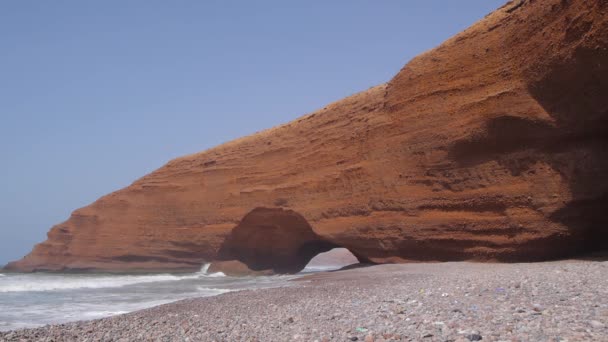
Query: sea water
x=36, y=299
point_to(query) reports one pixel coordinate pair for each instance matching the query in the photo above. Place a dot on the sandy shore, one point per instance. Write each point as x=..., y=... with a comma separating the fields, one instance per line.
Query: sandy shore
x=553, y=301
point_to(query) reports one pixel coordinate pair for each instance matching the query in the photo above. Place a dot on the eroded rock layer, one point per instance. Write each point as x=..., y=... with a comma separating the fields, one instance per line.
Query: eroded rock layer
x=490, y=147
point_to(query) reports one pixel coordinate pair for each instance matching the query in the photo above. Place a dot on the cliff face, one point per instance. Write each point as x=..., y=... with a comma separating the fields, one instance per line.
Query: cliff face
x=490, y=147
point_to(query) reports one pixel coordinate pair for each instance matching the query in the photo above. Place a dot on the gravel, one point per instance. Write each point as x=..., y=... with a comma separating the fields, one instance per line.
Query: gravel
x=552, y=301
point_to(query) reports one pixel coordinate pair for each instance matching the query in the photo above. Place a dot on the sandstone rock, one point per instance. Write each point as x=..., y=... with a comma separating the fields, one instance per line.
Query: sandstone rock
x=490, y=147
x=273, y=239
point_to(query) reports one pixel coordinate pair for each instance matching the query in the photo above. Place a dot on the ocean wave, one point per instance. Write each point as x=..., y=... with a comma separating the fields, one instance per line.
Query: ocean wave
x=104, y=313
x=53, y=283
x=213, y=290
x=205, y=272
x=321, y=268
x=216, y=274
x=42, y=283
x=205, y=268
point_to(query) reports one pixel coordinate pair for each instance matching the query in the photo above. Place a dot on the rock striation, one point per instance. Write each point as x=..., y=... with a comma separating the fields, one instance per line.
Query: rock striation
x=490, y=147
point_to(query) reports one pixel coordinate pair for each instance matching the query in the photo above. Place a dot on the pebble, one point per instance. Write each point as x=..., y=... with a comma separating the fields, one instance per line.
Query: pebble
x=379, y=303
x=596, y=324
x=474, y=337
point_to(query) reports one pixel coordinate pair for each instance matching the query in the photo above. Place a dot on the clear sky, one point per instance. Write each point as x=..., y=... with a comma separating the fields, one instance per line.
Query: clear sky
x=95, y=94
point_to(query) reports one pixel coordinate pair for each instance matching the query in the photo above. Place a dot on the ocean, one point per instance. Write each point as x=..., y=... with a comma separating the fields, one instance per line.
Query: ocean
x=37, y=299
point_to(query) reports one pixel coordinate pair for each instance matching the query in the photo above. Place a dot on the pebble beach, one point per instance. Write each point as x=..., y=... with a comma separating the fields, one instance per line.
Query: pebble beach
x=457, y=301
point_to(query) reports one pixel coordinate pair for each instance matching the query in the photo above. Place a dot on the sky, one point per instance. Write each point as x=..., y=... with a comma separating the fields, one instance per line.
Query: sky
x=94, y=95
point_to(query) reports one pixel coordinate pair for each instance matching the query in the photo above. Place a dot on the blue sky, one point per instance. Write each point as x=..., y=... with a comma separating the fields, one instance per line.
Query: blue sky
x=94, y=95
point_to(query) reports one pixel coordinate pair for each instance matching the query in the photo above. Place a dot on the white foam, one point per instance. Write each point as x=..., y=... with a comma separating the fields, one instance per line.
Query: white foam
x=52, y=283
x=213, y=290
x=216, y=274
x=205, y=272
x=41, y=283
x=321, y=268
x=99, y=314
x=205, y=268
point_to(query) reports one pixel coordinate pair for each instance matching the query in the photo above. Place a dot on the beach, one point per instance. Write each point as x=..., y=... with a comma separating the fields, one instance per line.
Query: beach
x=456, y=301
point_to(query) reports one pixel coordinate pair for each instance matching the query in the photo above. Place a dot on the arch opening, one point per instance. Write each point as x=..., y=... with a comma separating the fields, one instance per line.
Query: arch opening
x=333, y=259
x=271, y=240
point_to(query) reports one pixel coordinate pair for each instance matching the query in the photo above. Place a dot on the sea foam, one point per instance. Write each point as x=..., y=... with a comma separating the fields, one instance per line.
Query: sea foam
x=205, y=272
x=53, y=282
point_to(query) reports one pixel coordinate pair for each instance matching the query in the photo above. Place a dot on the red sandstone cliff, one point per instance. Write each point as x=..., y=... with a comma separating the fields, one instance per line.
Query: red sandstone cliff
x=490, y=147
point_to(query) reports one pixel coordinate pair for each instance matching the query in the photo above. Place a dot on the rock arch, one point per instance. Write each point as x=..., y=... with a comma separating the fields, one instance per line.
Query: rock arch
x=272, y=240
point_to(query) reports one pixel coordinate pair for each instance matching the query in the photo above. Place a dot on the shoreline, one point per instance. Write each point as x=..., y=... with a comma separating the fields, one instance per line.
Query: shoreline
x=456, y=301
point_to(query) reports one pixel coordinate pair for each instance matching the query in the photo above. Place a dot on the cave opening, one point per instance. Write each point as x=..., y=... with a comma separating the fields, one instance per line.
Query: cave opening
x=277, y=240
x=334, y=259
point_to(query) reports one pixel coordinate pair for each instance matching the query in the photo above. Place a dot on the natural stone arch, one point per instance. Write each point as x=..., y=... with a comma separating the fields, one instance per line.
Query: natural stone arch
x=334, y=259
x=272, y=240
